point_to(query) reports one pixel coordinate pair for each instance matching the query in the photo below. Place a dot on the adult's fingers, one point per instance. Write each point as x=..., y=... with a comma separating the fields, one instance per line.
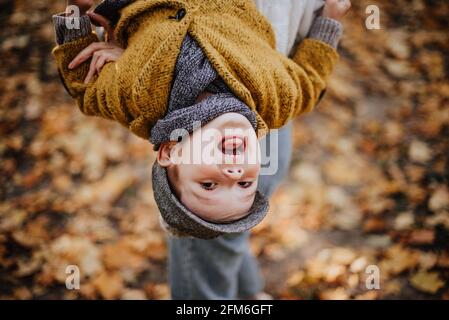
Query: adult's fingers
x=92, y=68
x=345, y=5
x=101, y=62
x=100, y=58
x=98, y=19
x=86, y=53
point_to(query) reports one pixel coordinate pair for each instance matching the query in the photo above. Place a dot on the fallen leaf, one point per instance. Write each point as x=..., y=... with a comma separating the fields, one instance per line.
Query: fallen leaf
x=374, y=225
x=369, y=295
x=428, y=282
x=133, y=294
x=296, y=278
x=419, y=152
x=109, y=285
x=404, y=221
x=398, y=259
x=421, y=237
x=358, y=265
x=157, y=291
x=439, y=199
x=334, y=294
x=441, y=218
x=427, y=260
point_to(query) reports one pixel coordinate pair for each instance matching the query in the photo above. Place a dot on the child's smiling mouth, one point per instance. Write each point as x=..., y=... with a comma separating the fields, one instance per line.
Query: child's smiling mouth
x=233, y=145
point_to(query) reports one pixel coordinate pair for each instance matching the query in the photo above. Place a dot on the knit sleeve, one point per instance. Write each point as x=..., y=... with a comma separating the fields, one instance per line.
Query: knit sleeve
x=70, y=28
x=326, y=30
x=313, y=63
x=103, y=96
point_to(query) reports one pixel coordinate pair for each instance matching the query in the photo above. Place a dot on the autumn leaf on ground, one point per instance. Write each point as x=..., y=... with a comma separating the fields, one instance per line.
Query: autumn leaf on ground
x=428, y=282
x=367, y=185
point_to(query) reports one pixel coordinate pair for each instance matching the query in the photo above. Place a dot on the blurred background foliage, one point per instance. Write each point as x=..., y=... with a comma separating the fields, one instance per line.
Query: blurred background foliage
x=368, y=182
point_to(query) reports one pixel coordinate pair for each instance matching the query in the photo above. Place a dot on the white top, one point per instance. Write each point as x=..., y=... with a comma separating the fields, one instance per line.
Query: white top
x=290, y=19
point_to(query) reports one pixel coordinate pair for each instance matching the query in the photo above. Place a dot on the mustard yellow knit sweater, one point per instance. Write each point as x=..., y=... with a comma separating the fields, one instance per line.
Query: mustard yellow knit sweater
x=238, y=41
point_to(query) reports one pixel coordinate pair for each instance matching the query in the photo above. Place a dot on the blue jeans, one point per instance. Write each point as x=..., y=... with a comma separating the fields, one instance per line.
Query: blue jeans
x=223, y=268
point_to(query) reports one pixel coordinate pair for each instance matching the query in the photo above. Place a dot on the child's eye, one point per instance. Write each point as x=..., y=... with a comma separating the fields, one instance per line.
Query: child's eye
x=245, y=184
x=208, y=185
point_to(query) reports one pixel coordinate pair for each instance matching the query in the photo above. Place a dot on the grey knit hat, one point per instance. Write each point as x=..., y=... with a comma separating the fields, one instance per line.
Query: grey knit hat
x=181, y=121
x=181, y=219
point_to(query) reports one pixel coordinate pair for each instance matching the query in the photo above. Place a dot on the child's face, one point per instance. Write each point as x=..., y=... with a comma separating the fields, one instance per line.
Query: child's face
x=214, y=171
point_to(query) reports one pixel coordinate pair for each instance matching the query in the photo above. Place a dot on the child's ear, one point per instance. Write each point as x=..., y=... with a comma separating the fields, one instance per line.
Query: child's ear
x=164, y=154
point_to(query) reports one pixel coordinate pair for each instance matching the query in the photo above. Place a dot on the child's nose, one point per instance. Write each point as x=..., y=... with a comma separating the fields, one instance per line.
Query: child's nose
x=233, y=173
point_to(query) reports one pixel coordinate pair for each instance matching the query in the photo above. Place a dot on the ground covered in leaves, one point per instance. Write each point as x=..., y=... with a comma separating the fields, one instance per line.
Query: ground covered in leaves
x=368, y=183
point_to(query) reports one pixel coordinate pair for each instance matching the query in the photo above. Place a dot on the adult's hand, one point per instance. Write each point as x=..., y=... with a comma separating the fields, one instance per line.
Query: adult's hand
x=83, y=5
x=100, y=52
x=336, y=9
